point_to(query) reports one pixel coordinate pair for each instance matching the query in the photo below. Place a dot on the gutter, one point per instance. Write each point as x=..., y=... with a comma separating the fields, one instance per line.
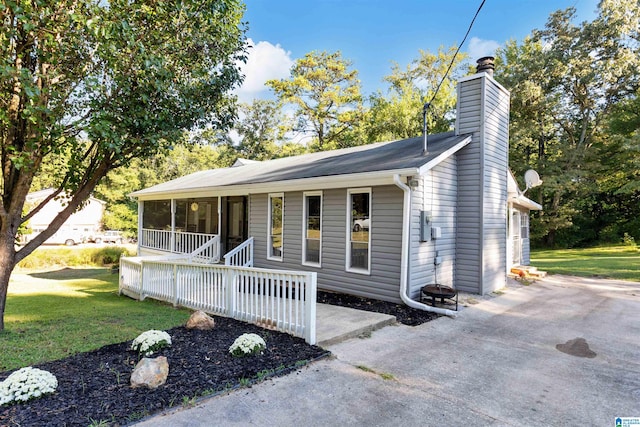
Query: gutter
x=404, y=260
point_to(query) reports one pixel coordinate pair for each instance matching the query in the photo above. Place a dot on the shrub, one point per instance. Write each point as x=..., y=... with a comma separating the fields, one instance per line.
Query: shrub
x=43, y=258
x=151, y=341
x=628, y=240
x=26, y=384
x=247, y=344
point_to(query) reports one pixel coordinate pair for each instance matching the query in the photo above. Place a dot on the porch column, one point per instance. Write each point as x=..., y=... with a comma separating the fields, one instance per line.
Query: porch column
x=173, y=226
x=140, y=224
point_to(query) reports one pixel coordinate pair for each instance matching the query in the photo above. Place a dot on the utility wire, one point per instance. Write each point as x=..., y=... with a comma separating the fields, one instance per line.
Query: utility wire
x=456, y=54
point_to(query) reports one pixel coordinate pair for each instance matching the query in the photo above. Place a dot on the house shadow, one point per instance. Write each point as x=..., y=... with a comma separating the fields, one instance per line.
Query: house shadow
x=68, y=273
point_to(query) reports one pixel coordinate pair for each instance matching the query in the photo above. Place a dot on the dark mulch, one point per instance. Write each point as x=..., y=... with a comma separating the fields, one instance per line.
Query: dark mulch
x=404, y=314
x=94, y=386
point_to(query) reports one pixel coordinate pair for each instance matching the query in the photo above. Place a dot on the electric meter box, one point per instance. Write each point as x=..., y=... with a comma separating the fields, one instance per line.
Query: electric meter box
x=425, y=226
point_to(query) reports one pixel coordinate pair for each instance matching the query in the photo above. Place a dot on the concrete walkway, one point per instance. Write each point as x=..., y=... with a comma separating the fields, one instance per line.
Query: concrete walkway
x=563, y=351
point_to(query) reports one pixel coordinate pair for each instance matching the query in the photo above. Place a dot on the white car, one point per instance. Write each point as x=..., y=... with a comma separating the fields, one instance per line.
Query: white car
x=361, y=224
x=109, y=236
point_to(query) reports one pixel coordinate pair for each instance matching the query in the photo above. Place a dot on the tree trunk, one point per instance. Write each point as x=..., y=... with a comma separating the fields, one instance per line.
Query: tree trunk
x=7, y=259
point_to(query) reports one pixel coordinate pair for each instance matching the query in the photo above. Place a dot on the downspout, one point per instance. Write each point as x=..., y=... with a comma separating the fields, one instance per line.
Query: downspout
x=404, y=260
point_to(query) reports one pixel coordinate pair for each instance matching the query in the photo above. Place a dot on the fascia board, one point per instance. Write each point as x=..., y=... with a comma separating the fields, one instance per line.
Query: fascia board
x=444, y=155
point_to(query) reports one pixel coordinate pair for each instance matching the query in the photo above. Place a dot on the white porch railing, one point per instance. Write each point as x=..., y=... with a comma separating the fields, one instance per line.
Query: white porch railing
x=241, y=256
x=176, y=242
x=283, y=300
x=209, y=253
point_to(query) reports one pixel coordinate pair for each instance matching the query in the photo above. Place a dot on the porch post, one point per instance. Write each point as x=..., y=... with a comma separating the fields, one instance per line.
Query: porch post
x=172, y=244
x=141, y=235
x=311, y=290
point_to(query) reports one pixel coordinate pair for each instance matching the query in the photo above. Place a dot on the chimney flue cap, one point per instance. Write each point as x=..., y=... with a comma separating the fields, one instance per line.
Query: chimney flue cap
x=486, y=64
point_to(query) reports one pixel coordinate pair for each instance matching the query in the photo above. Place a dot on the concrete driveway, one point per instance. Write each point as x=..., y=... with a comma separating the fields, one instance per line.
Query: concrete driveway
x=562, y=351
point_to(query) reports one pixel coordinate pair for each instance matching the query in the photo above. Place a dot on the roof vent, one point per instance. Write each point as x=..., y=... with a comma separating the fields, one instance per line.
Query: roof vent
x=486, y=65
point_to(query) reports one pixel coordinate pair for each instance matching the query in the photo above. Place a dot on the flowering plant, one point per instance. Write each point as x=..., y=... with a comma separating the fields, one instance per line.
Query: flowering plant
x=27, y=383
x=151, y=341
x=247, y=344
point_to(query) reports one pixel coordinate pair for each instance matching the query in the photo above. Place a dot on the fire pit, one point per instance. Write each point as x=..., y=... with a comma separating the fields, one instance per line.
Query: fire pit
x=446, y=294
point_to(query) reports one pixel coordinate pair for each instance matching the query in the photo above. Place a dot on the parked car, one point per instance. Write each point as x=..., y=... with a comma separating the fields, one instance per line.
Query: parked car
x=109, y=236
x=63, y=236
x=361, y=224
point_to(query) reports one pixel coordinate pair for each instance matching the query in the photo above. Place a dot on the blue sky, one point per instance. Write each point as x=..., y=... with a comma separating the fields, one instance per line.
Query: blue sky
x=374, y=33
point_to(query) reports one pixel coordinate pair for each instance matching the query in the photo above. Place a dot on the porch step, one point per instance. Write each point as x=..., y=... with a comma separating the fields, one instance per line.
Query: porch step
x=528, y=272
x=335, y=324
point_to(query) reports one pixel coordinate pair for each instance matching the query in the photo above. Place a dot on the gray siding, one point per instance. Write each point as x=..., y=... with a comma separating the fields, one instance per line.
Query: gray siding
x=386, y=227
x=437, y=194
x=481, y=233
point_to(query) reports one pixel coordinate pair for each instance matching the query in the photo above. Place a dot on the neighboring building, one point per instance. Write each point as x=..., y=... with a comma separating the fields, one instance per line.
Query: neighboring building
x=85, y=222
x=379, y=220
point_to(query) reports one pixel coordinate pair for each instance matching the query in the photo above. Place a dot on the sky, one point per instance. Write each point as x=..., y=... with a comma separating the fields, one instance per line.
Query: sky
x=375, y=34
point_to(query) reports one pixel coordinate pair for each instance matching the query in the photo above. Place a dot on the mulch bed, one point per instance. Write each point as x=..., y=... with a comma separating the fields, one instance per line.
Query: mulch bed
x=93, y=387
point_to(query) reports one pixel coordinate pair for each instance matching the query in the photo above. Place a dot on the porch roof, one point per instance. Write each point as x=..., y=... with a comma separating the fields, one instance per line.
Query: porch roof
x=363, y=162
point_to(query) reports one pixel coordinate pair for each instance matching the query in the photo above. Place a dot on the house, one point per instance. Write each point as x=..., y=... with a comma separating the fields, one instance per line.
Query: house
x=86, y=221
x=380, y=220
x=519, y=206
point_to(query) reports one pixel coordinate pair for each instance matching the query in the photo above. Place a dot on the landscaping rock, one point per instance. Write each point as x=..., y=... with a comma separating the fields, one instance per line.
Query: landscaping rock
x=150, y=373
x=200, y=320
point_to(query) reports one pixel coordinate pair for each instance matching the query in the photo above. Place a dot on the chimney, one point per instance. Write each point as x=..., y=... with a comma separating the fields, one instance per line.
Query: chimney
x=486, y=65
x=482, y=112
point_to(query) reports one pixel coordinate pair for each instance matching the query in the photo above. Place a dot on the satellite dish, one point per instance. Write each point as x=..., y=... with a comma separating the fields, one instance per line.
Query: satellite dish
x=532, y=179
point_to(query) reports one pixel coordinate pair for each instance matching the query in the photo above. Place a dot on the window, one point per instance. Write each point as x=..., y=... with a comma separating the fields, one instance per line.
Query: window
x=312, y=233
x=359, y=230
x=276, y=209
x=524, y=225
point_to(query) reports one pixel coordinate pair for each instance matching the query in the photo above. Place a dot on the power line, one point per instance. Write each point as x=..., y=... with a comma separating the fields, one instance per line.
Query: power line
x=456, y=54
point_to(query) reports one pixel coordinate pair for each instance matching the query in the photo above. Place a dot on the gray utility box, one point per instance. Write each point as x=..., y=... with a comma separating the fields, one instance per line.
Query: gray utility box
x=425, y=226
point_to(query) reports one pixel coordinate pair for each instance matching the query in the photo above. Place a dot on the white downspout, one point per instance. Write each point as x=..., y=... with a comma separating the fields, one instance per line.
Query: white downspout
x=404, y=260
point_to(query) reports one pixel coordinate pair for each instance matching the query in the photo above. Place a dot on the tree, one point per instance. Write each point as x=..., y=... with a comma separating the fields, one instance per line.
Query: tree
x=105, y=82
x=261, y=126
x=399, y=113
x=326, y=95
x=565, y=81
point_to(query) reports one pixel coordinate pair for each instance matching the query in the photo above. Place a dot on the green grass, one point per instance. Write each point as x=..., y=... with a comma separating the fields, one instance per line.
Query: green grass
x=616, y=262
x=51, y=315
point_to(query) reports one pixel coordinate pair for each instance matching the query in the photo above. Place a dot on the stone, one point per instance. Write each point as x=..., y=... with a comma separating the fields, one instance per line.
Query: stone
x=200, y=320
x=150, y=372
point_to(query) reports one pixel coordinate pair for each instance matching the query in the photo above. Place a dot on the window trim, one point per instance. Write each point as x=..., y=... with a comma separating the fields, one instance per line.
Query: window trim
x=305, y=223
x=271, y=257
x=524, y=225
x=350, y=192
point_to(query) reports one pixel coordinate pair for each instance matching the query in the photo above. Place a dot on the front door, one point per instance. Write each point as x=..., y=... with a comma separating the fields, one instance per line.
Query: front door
x=236, y=224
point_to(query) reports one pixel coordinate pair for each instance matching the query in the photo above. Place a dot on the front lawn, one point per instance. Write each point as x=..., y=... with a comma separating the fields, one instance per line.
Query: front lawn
x=54, y=314
x=615, y=262
x=72, y=323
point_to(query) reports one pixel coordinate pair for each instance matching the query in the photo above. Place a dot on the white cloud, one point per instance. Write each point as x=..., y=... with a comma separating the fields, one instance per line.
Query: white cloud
x=265, y=61
x=479, y=48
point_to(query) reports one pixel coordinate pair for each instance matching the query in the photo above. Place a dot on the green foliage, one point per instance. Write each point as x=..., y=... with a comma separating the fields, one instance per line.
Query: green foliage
x=326, y=94
x=44, y=258
x=130, y=77
x=399, y=113
x=566, y=82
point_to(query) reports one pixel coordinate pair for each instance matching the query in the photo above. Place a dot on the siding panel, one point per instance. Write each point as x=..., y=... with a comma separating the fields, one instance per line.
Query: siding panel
x=386, y=228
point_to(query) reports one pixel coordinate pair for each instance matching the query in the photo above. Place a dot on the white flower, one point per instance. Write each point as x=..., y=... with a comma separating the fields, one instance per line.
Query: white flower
x=148, y=342
x=247, y=344
x=27, y=383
